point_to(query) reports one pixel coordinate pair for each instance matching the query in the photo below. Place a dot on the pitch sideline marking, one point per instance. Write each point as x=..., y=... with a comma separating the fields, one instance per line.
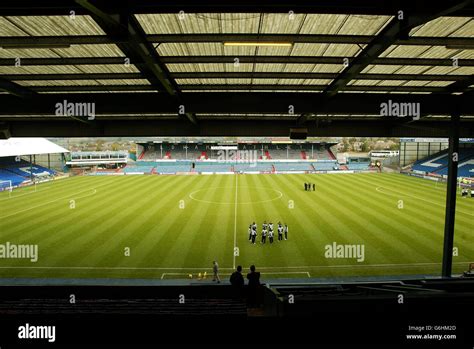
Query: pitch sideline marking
x=416, y=197
x=227, y=274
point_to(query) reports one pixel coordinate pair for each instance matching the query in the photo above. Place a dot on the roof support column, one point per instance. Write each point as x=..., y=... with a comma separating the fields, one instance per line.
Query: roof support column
x=453, y=156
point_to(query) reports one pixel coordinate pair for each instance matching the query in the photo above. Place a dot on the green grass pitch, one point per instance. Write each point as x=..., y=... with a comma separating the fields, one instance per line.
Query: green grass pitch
x=177, y=225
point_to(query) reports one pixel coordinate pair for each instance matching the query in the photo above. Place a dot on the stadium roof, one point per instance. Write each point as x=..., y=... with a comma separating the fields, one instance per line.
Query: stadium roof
x=28, y=146
x=235, y=66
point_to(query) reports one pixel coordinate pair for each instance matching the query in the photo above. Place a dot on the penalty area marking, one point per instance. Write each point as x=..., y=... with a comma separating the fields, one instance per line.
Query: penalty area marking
x=191, y=196
x=416, y=197
x=163, y=275
x=24, y=194
x=52, y=201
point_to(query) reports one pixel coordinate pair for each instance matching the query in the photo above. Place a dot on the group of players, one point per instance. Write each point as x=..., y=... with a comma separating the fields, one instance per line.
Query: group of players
x=465, y=193
x=309, y=187
x=267, y=230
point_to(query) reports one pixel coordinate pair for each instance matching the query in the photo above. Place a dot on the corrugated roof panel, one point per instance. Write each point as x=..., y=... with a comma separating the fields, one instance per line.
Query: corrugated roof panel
x=273, y=51
x=237, y=81
x=442, y=26
x=364, y=82
x=323, y=23
x=265, y=67
x=105, y=50
x=298, y=68
x=402, y=51
x=317, y=81
x=124, y=82
x=291, y=81
x=391, y=82
x=451, y=70
x=181, y=67
x=55, y=25
x=201, y=67
x=173, y=49
x=328, y=68
x=412, y=69
x=57, y=82
x=439, y=83
x=40, y=69
x=416, y=83
x=200, y=81
x=363, y=25
x=381, y=69
x=159, y=23
x=108, y=68
x=239, y=22
x=465, y=54
x=27, y=53
x=282, y=23
x=9, y=29
x=265, y=81
x=439, y=52
x=197, y=23
x=236, y=51
x=342, y=50
x=242, y=67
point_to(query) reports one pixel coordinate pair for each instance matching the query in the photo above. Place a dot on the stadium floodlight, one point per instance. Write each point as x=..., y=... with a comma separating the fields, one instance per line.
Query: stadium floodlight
x=6, y=185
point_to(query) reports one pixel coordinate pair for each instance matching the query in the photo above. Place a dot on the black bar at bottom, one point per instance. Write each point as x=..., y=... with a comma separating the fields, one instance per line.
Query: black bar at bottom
x=453, y=156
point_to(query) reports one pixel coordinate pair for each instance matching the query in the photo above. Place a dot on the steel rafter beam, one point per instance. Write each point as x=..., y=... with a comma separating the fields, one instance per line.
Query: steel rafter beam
x=242, y=59
x=46, y=41
x=399, y=27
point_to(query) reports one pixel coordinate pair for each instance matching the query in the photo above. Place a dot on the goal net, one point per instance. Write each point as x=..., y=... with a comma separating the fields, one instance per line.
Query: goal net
x=6, y=185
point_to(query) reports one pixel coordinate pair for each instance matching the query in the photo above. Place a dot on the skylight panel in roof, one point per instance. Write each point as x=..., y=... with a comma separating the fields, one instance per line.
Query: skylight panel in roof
x=442, y=26
x=282, y=23
x=55, y=25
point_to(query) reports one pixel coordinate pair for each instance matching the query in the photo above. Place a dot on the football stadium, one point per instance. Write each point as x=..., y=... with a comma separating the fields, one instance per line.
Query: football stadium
x=239, y=160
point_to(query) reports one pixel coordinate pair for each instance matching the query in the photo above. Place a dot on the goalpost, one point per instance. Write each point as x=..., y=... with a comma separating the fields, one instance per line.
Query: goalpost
x=6, y=185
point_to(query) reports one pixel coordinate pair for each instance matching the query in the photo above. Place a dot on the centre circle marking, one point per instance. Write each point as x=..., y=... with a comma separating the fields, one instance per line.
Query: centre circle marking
x=278, y=195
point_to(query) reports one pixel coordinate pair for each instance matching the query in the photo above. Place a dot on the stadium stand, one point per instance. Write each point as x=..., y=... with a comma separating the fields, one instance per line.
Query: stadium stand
x=438, y=163
x=212, y=167
x=293, y=166
x=173, y=167
x=21, y=171
x=325, y=165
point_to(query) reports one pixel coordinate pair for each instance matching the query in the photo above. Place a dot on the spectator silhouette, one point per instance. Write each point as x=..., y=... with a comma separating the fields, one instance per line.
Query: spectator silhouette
x=237, y=282
x=253, y=287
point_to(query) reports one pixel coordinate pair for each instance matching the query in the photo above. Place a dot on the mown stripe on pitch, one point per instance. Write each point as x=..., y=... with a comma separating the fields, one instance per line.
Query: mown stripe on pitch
x=35, y=220
x=172, y=225
x=362, y=217
x=295, y=250
x=204, y=228
x=342, y=224
x=428, y=247
x=131, y=229
x=438, y=215
x=92, y=233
